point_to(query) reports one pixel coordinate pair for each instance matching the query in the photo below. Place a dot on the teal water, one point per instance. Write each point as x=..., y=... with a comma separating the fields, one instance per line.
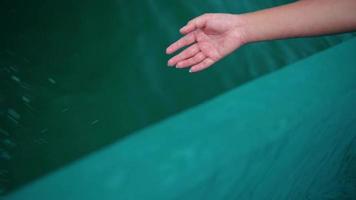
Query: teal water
x=288, y=135
x=78, y=75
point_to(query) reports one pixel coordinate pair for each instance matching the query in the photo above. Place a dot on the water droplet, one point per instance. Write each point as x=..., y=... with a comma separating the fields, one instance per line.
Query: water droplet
x=64, y=110
x=2, y=131
x=4, y=155
x=11, y=53
x=94, y=122
x=13, y=68
x=45, y=130
x=25, y=85
x=13, y=114
x=15, y=78
x=3, y=172
x=26, y=60
x=29, y=107
x=9, y=143
x=25, y=99
x=51, y=80
x=40, y=141
x=13, y=120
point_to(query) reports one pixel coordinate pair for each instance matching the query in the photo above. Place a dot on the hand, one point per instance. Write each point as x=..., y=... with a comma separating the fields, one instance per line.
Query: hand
x=211, y=37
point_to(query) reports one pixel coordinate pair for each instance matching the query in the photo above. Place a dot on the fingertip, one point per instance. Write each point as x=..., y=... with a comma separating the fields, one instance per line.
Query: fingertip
x=195, y=69
x=169, y=50
x=187, y=29
x=182, y=30
x=170, y=62
x=202, y=65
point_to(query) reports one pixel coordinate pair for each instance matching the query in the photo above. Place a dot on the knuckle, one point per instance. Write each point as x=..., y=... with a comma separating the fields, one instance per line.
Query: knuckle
x=179, y=64
x=197, y=58
x=188, y=38
x=190, y=51
x=193, y=49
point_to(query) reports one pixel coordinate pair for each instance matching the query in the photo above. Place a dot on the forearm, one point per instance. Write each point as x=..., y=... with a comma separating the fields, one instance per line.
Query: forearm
x=299, y=19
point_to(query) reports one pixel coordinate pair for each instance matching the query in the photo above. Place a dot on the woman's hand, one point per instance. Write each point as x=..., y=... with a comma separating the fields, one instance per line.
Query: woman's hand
x=211, y=37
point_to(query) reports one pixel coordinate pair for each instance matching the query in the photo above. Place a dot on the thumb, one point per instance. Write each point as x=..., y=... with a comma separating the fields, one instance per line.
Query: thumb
x=196, y=23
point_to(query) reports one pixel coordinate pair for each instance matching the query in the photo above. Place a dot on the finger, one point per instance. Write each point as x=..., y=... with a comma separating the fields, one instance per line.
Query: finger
x=187, y=53
x=202, y=65
x=194, y=24
x=184, y=41
x=191, y=61
x=188, y=28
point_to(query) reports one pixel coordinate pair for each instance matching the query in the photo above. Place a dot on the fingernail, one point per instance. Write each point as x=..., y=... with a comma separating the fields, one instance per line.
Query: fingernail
x=190, y=70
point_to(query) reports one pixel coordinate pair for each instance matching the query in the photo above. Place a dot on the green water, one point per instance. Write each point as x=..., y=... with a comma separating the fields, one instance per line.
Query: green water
x=78, y=75
x=288, y=135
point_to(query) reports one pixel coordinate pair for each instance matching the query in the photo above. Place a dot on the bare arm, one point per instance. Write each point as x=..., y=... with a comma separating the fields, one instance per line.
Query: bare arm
x=211, y=37
x=300, y=19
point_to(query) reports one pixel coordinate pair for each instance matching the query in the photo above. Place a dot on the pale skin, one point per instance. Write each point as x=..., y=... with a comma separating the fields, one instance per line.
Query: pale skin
x=211, y=37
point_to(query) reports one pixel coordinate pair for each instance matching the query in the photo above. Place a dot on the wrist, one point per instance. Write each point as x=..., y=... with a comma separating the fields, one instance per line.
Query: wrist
x=242, y=28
